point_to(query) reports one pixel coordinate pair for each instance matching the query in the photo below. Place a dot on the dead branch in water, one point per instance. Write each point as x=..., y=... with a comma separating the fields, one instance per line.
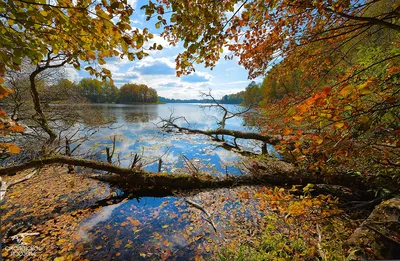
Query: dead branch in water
x=6, y=185
x=200, y=207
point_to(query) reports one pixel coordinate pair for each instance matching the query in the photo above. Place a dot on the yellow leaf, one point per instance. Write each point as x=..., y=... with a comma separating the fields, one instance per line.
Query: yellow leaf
x=319, y=140
x=347, y=108
x=99, y=247
x=297, y=118
x=366, y=92
x=346, y=90
x=142, y=254
x=362, y=86
x=165, y=226
x=338, y=125
x=134, y=222
x=13, y=149
x=61, y=241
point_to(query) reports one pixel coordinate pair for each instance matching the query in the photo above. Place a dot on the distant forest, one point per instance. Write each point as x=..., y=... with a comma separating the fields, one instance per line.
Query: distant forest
x=97, y=91
x=235, y=98
x=252, y=95
x=104, y=92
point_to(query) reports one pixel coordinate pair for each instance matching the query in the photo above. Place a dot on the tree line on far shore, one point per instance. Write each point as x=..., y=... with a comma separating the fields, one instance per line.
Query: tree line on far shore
x=104, y=92
x=97, y=91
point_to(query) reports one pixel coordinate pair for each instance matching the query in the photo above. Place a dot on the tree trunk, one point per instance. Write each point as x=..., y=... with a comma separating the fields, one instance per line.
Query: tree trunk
x=36, y=101
x=272, y=172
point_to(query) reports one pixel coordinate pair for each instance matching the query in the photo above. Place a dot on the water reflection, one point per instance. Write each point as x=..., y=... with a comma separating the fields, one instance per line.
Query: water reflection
x=136, y=132
x=169, y=228
x=166, y=228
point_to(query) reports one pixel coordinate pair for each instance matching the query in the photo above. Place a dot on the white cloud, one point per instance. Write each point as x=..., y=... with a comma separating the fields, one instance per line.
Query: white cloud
x=112, y=67
x=127, y=77
x=197, y=77
x=71, y=74
x=158, y=40
x=132, y=3
x=136, y=22
x=149, y=60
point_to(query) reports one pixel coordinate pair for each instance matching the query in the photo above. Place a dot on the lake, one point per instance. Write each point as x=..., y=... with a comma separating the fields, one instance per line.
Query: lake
x=136, y=128
x=166, y=228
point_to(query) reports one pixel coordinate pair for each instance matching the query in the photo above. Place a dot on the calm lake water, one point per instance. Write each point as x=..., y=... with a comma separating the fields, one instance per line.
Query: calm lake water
x=136, y=128
x=167, y=228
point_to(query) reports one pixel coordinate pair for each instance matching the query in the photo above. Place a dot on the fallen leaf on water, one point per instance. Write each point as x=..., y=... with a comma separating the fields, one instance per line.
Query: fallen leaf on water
x=166, y=243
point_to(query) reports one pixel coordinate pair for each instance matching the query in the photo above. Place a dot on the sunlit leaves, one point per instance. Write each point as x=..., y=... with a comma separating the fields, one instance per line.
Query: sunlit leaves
x=7, y=125
x=82, y=32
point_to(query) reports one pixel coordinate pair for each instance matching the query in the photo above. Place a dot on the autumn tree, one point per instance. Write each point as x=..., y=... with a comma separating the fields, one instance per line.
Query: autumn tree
x=131, y=93
x=336, y=94
x=53, y=34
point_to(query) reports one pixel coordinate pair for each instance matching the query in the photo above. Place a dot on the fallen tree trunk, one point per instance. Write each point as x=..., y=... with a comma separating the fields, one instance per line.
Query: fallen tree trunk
x=273, y=172
x=273, y=140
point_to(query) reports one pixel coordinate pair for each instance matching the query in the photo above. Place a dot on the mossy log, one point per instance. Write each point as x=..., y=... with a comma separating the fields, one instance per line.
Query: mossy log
x=273, y=172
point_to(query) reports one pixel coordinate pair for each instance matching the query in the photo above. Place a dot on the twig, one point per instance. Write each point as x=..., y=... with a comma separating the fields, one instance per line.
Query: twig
x=320, y=251
x=159, y=165
x=198, y=206
x=192, y=166
x=20, y=237
x=5, y=185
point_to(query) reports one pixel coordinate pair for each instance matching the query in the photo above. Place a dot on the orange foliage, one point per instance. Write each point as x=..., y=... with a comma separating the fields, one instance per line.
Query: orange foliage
x=7, y=125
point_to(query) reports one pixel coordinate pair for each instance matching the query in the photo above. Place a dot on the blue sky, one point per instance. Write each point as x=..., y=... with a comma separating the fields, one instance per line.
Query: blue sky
x=158, y=69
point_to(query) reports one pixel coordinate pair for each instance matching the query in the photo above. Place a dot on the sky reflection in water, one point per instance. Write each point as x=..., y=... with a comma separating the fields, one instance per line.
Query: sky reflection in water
x=138, y=133
x=149, y=227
